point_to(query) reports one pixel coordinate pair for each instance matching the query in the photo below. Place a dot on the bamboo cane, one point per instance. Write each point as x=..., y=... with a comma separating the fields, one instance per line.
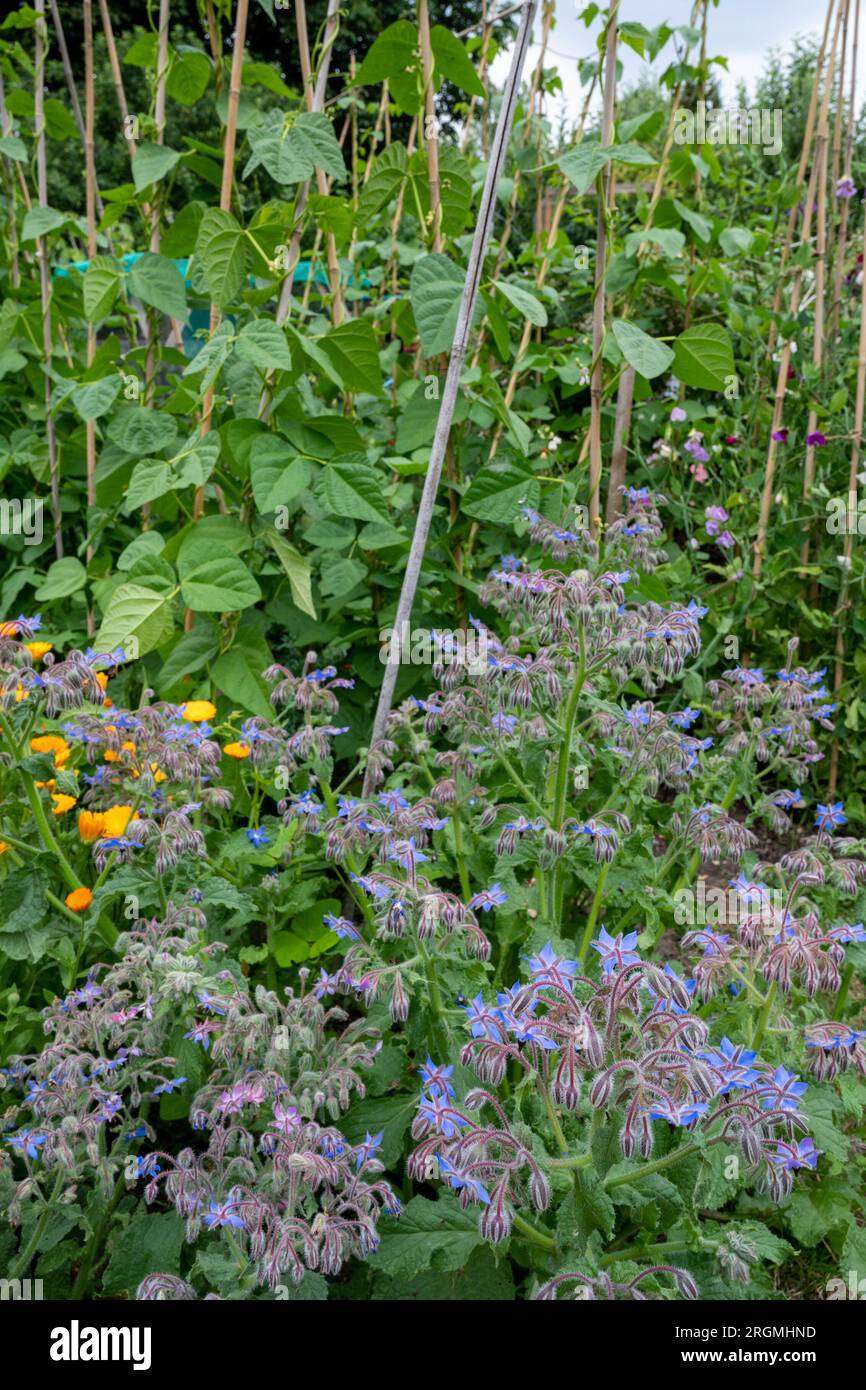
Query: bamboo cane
x=44, y=271
x=285, y=300
x=486, y=32
x=155, y=207
x=854, y=468
x=540, y=279
x=6, y=127
x=821, y=142
x=90, y=204
x=337, y=309
x=70, y=83
x=225, y=203
x=806, y=150
x=842, y=238
x=430, y=127
x=452, y=381
x=534, y=88
x=785, y=355
x=602, y=184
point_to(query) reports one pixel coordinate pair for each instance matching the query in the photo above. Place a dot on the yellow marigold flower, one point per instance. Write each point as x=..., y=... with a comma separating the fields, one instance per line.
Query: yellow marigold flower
x=20, y=693
x=79, y=899
x=51, y=743
x=103, y=679
x=62, y=803
x=110, y=756
x=39, y=649
x=50, y=785
x=91, y=824
x=197, y=711
x=237, y=750
x=116, y=819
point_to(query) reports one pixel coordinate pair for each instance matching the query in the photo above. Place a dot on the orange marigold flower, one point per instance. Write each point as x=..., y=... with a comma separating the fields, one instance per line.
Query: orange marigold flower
x=91, y=824
x=39, y=649
x=103, y=679
x=79, y=899
x=3, y=846
x=237, y=750
x=51, y=743
x=110, y=756
x=197, y=711
x=62, y=803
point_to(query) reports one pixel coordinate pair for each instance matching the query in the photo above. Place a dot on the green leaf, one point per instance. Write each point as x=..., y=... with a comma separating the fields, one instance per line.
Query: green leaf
x=645, y=354
x=219, y=584
x=483, y=1279
x=263, y=344
x=38, y=222
x=291, y=152
x=352, y=351
x=150, y=1244
x=13, y=147
x=22, y=899
x=390, y=168
x=263, y=75
x=584, y=163
x=352, y=487
x=151, y=479
x=101, y=285
x=94, y=398
x=212, y=355
x=141, y=430
x=316, y=132
x=238, y=674
x=736, y=241
x=297, y=571
x=277, y=474
x=668, y=240
x=704, y=357
x=188, y=76
x=192, y=652
x=223, y=251
x=150, y=163
x=136, y=619
x=701, y=227
x=435, y=291
x=391, y=1114
x=428, y=1235
x=453, y=62
x=525, y=303
x=179, y=237
x=156, y=281
x=391, y=54
x=64, y=577
x=497, y=493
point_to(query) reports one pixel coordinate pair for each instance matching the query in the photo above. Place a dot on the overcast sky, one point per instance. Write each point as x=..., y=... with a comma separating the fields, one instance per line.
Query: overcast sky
x=740, y=30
